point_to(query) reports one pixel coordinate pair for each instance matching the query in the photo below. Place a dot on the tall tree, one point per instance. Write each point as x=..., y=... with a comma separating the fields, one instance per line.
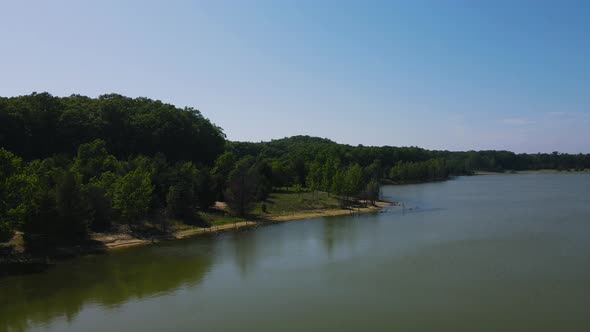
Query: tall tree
x=242, y=184
x=206, y=189
x=339, y=186
x=99, y=205
x=353, y=180
x=72, y=213
x=372, y=191
x=314, y=176
x=180, y=201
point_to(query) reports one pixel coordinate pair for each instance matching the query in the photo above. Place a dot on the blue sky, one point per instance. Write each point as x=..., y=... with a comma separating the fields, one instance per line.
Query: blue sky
x=454, y=75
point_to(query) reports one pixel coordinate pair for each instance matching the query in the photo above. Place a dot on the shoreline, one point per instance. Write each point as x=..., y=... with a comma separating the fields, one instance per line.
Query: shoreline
x=120, y=241
x=387, y=182
x=533, y=171
x=17, y=261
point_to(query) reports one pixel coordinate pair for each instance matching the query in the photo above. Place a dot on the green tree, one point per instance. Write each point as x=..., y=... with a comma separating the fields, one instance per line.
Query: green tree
x=329, y=170
x=132, y=194
x=280, y=174
x=374, y=171
x=72, y=214
x=10, y=166
x=180, y=201
x=264, y=188
x=92, y=159
x=299, y=169
x=372, y=191
x=353, y=180
x=99, y=205
x=162, y=175
x=106, y=181
x=39, y=226
x=15, y=202
x=242, y=184
x=339, y=186
x=57, y=213
x=223, y=166
x=206, y=189
x=314, y=176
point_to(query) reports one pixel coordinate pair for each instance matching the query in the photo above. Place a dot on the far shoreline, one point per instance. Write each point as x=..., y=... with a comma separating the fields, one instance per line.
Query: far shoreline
x=533, y=171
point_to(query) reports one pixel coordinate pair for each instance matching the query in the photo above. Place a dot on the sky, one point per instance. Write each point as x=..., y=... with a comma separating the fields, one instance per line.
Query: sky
x=447, y=75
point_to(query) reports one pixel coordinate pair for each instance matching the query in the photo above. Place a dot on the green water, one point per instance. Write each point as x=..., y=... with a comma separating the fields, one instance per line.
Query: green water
x=484, y=253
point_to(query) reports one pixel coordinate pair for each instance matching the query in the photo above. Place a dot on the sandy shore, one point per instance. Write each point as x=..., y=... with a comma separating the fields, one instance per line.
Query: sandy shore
x=115, y=241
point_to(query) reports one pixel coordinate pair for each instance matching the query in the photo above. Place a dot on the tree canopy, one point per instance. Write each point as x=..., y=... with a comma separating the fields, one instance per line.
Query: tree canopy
x=40, y=125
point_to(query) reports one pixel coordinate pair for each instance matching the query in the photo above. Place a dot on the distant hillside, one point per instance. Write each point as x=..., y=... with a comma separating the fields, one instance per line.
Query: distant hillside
x=309, y=148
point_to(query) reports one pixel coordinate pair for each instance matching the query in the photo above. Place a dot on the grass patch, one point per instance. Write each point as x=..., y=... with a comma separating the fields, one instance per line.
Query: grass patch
x=282, y=203
x=278, y=204
x=216, y=218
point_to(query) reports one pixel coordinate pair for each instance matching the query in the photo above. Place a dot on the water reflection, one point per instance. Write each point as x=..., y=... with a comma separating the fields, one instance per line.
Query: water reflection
x=244, y=251
x=112, y=280
x=328, y=236
x=107, y=280
x=340, y=235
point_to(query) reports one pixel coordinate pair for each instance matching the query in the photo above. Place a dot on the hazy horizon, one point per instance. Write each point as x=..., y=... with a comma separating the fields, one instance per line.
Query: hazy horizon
x=438, y=75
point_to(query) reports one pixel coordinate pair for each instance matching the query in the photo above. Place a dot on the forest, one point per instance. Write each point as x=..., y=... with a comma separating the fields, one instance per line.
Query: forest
x=74, y=165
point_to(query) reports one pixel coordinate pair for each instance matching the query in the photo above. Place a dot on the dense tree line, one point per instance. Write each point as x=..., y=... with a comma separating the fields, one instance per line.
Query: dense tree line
x=430, y=170
x=500, y=161
x=73, y=165
x=40, y=125
x=59, y=200
x=295, y=155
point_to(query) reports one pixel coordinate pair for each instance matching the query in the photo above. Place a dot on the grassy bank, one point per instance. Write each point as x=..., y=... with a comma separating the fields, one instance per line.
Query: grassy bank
x=279, y=207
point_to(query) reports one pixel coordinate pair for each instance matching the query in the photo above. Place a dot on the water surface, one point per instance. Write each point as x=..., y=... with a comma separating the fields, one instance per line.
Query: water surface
x=483, y=253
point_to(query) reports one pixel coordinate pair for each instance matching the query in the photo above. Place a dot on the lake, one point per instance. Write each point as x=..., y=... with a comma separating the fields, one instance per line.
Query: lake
x=481, y=253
